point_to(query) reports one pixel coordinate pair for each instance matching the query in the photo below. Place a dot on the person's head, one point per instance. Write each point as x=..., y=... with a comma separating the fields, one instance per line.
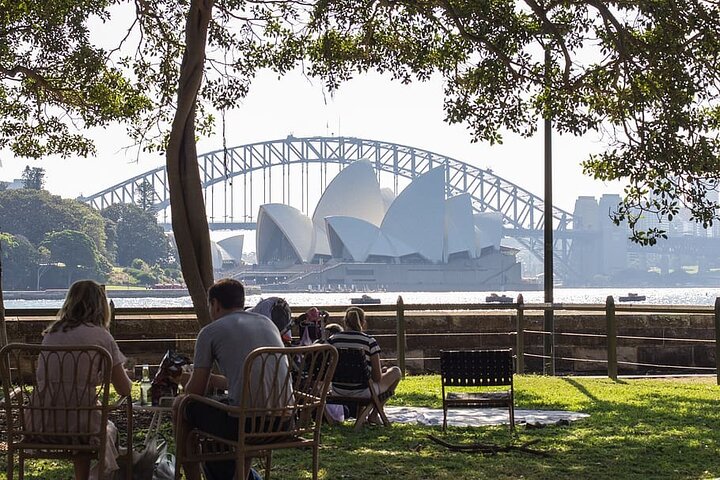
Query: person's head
x=333, y=328
x=312, y=315
x=355, y=319
x=85, y=303
x=225, y=295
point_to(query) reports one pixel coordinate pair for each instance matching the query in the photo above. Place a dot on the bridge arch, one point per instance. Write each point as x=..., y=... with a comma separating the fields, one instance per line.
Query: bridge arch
x=521, y=210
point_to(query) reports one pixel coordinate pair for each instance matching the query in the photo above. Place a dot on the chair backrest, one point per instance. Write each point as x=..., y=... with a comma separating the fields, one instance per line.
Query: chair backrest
x=56, y=394
x=465, y=368
x=284, y=391
x=352, y=367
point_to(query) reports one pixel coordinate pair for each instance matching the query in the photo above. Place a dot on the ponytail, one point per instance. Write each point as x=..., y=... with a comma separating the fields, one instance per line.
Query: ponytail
x=354, y=319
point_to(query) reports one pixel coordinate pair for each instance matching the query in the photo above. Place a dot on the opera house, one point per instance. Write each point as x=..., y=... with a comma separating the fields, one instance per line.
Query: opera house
x=363, y=236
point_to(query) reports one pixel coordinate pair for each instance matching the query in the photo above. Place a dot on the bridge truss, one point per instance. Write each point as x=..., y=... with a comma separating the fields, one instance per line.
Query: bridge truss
x=304, y=164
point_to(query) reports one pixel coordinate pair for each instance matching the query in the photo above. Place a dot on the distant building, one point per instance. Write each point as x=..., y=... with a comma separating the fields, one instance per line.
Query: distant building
x=600, y=247
x=15, y=184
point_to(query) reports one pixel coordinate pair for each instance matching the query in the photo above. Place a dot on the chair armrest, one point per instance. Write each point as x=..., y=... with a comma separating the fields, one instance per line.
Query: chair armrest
x=185, y=399
x=124, y=400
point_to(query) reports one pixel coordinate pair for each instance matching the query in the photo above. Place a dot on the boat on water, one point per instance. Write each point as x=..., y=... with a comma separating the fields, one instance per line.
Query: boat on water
x=495, y=298
x=632, y=297
x=364, y=300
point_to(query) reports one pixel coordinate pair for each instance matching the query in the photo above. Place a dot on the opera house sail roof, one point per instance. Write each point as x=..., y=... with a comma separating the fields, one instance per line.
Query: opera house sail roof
x=417, y=216
x=355, y=193
x=283, y=234
x=357, y=221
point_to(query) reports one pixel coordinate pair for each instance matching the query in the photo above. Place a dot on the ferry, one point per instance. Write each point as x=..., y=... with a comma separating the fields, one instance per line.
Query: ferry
x=364, y=300
x=495, y=298
x=632, y=297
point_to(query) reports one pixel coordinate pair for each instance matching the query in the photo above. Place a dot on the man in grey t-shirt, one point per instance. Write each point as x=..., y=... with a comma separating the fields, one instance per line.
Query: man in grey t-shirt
x=226, y=341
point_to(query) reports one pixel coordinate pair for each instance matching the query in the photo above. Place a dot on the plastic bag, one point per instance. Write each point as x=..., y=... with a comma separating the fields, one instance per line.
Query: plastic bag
x=335, y=412
x=164, y=465
x=151, y=463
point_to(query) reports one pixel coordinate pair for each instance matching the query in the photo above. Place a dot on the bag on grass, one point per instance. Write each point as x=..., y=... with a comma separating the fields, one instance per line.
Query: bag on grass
x=164, y=465
x=151, y=463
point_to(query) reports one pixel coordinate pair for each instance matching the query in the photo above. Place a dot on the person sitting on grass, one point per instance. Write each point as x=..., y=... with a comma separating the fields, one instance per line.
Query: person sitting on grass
x=384, y=379
x=332, y=328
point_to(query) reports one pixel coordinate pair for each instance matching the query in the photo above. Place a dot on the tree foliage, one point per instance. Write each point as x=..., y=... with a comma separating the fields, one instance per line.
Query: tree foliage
x=137, y=235
x=19, y=261
x=33, y=178
x=79, y=254
x=54, y=81
x=34, y=213
x=145, y=196
x=645, y=74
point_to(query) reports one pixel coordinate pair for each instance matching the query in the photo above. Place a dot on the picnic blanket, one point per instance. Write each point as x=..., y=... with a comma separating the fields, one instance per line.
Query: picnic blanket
x=475, y=417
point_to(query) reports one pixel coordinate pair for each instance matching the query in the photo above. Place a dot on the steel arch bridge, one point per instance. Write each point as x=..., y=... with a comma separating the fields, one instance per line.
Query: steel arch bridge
x=522, y=211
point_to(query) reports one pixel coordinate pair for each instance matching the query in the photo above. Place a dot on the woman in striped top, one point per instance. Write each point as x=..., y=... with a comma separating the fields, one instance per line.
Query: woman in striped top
x=384, y=379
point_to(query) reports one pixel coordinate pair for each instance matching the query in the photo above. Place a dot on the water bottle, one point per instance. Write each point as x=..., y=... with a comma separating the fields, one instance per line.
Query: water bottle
x=145, y=386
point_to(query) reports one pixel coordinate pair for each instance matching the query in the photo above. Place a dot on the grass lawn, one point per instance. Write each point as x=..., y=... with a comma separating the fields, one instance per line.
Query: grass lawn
x=637, y=429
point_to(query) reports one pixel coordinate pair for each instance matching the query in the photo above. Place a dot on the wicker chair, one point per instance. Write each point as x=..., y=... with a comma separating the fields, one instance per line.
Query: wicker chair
x=352, y=369
x=285, y=411
x=65, y=416
x=477, y=368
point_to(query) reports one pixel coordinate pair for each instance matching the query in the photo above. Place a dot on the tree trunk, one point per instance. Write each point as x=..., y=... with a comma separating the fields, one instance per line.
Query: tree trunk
x=189, y=220
x=3, y=328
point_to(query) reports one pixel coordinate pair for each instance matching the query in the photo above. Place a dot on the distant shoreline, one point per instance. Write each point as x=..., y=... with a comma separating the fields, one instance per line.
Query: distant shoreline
x=59, y=294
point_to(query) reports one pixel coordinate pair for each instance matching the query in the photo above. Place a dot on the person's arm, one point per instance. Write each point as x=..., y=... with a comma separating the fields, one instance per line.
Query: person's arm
x=120, y=380
x=118, y=375
x=198, y=382
x=200, y=379
x=376, y=369
x=218, y=382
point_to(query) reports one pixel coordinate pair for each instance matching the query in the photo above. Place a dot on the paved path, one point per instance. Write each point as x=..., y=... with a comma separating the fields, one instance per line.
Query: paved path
x=469, y=417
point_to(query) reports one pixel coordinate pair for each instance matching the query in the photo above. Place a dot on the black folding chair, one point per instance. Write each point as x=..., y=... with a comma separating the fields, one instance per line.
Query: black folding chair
x=352, y=369
x=460, y=369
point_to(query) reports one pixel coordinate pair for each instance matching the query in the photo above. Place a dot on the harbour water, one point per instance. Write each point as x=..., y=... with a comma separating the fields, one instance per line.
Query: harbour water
x=658, y=296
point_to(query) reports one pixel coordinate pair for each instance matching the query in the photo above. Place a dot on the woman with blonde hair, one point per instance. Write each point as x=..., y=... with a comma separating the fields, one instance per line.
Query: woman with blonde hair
x=84, y=319
x=385, y=379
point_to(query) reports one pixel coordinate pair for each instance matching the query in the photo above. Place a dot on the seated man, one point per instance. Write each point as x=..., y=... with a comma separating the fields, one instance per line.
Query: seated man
x=226, y=341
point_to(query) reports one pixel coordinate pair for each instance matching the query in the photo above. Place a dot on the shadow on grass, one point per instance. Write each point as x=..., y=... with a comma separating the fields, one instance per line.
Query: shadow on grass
x=635, y=431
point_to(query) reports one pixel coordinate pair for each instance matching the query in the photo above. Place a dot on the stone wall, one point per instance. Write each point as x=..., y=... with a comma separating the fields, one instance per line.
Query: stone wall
x=144, y=335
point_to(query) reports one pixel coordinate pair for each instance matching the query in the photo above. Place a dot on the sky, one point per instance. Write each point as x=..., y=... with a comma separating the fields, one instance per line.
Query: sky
x=371, y=107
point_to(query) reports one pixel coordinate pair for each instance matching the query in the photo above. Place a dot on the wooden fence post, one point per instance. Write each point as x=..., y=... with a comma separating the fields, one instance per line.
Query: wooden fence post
x=401, y=334
x=611, y=337
x=717, y=339
x=520, y=335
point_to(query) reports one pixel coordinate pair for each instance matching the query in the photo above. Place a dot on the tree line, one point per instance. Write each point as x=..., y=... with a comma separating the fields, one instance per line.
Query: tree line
x=49, y=241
